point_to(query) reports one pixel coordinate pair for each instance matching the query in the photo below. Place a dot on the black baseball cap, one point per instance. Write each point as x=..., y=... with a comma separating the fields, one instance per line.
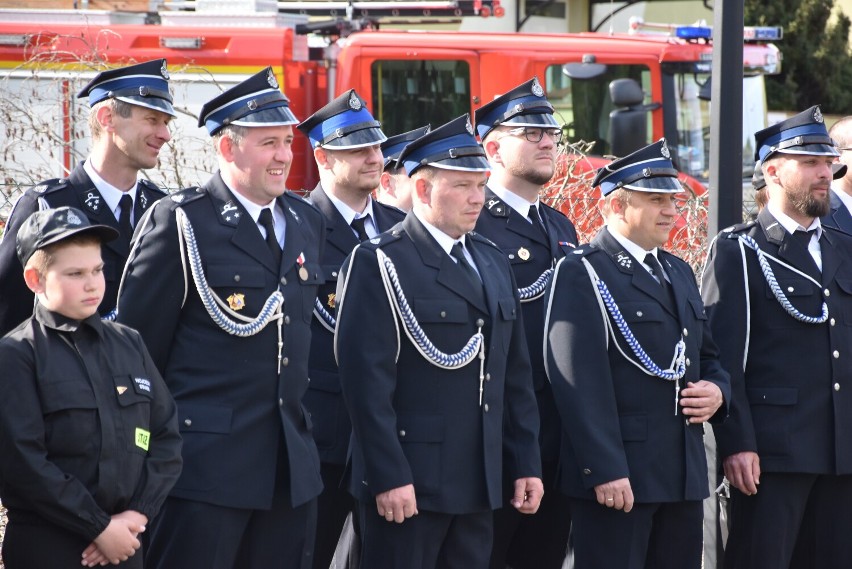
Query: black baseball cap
x=50, y=226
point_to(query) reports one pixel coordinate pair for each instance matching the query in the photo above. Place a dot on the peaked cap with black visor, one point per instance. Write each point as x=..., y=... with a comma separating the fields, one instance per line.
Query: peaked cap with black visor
x=804, y=133
x=255, y=102
x=525, y=105
x=451, y=146
x=144, y=84
x=649, y=169
x=343, y=124
x=394, y=145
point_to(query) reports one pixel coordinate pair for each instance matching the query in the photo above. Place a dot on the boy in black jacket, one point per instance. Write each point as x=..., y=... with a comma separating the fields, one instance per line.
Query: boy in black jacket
x=88, y=429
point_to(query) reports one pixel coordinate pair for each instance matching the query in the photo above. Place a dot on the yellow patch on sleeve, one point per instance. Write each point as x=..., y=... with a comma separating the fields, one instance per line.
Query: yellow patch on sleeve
x=143, y=438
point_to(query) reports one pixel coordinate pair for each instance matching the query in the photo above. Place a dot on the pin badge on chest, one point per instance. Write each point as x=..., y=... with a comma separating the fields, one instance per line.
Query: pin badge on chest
x=237, y=301
x=303, y=272
x=523, y=254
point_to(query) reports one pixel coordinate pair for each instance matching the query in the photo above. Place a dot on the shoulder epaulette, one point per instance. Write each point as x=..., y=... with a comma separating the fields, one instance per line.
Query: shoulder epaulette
x=737, y=228
x=187, y=195
x=152, y=186
x=49, y=186
x=479, y=237
x=389, y=207
x=298, y=196
x=394, y=234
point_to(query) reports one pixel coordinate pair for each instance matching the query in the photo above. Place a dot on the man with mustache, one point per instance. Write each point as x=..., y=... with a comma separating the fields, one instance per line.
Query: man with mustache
x=131, y=109
x=778, y=292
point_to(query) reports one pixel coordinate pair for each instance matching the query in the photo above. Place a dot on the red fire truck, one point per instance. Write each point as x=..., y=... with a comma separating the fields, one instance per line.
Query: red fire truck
x=617, y=92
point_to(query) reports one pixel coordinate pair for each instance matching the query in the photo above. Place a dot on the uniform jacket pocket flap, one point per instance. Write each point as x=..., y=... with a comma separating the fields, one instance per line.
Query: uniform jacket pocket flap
x=130, y=389
x=508, y=308
x=634, y=427
x=330, y=272
x=420, y=429
x=204, y=418
x=641, y=311
x=773, y=395
x=443, y=310
x=235, y=276
x=67, y=395
x=324, y=381
x=845, y=285
x=793, y=287
x=315, y=273
x=698, y=308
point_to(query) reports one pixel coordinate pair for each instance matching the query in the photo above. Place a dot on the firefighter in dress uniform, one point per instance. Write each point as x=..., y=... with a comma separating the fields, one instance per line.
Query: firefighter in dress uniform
x=435, y=371
x=635, y=374
x=131, y=109
x=221, y=283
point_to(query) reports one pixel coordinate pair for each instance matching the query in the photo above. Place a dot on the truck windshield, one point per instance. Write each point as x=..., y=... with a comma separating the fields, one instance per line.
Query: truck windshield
x=584, y=105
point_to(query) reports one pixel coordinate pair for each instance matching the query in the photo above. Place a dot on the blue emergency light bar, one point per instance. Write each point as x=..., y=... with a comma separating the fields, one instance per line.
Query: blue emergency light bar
x=750, y=33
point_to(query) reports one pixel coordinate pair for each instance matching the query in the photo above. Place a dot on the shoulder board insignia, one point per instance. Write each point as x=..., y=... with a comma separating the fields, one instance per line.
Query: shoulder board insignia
x=729, y=231
x=187, y=195
x=148, y=184
x=50, y=185
x=578, y=251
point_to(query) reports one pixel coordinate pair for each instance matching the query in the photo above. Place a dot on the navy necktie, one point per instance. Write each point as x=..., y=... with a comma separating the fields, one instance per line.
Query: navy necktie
x=265, y=220
x=358, y=225
x=124, y=226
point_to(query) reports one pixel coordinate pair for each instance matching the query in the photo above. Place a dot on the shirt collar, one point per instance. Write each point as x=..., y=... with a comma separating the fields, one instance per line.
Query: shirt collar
x=110, y=193
x=512, y=199
x=347, y=212
x=635, y=250
x=444, y=241
x=252, y=208
x=61, y=323
x=844, y=198
x=789, y=224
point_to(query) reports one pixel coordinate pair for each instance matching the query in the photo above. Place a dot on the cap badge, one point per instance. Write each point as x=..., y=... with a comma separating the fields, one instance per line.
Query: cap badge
x=536, y=88
x=818, y=115
x=523, y=254
x=354, y=102
x=469, y=126
x=664, y=150
x=164, y=72
x=270, y=78
x=252, y=105
x=74, y=219
x=331, y=300
x=237, y=301
x=624, y=260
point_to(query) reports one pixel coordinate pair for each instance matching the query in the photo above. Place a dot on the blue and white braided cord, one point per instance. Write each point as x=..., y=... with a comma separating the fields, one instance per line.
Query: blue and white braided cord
x=271, y=308
x=646, y=364
x=324, y=317
x=412, y=328
x=769, y=275
x=535, y=290
x=110, y=316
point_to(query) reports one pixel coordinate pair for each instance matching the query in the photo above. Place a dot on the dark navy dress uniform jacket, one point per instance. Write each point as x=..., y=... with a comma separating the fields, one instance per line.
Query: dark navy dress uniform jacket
x=792, y=404
x=236, y=412
x=77, y=190
x=415, y=423
x=618, y=421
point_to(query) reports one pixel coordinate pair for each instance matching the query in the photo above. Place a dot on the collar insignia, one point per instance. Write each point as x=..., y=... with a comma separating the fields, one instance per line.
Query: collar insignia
x=93, y=201
x=624, y=260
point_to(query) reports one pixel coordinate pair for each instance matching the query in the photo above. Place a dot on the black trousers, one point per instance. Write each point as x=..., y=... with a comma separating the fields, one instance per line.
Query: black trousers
x=333, y=505
x=537, y=541
x=666, y=535
x=428, y=540
x=795, y=521
x=33, y=544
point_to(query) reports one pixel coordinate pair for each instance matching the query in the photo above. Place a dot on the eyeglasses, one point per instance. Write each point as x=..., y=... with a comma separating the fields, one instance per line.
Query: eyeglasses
x=535, y=134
